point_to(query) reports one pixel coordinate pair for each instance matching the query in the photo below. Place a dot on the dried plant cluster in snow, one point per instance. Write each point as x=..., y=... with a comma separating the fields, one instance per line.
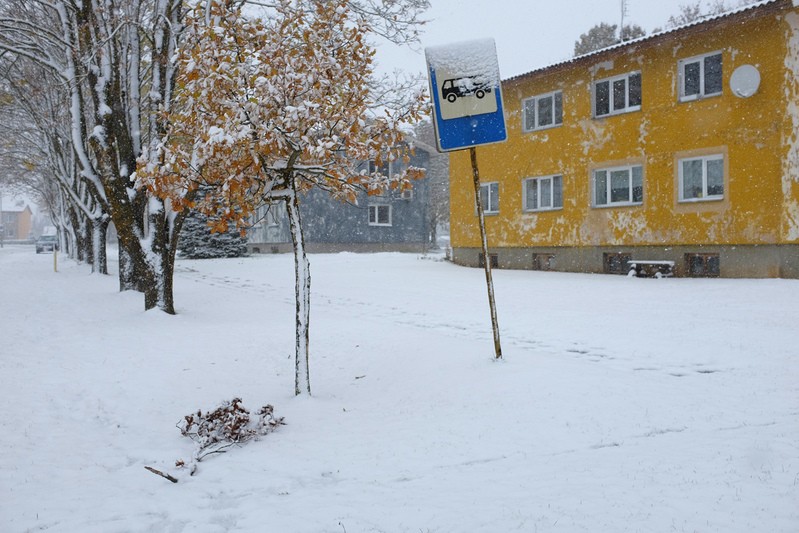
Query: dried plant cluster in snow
x=227, y=425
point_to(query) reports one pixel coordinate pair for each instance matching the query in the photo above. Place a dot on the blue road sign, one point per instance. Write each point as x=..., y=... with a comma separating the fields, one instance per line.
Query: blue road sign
x=467, y=95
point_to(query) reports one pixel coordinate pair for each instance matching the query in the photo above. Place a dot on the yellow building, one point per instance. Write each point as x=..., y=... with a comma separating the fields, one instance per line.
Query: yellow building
x=16, y=222
x=679, y=147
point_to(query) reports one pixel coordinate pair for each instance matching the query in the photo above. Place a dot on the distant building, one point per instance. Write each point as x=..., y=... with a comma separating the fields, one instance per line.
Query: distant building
x=17, y=223
x=679, y=147
x=394, y=221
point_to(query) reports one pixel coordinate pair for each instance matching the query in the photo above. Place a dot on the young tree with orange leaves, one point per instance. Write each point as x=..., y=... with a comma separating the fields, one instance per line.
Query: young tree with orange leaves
x=267, y=109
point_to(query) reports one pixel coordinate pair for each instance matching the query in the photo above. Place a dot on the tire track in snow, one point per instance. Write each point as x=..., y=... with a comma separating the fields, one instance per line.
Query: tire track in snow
x=361, y=309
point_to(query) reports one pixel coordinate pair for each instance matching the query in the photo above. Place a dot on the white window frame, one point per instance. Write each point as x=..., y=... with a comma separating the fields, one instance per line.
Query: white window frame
x=700, y=60
x=705, y=197
x=374, y=214
x=491, y=198
x=607, y=201
x=627, y=108
x=533, y=102
x=272, y=216
x=539, y=183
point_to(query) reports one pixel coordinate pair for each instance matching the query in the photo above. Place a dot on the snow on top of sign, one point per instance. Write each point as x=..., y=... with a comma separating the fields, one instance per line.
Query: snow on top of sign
x=477, y=58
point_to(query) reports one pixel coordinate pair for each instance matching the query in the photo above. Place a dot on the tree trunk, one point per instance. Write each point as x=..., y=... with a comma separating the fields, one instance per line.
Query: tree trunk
x=302, y=285
x=167, y=285
x=127, y=216
x=74, y=249
x=163, y=230
x=99, y=254
x=126, y=276
x=85, y=243
x=433, y=233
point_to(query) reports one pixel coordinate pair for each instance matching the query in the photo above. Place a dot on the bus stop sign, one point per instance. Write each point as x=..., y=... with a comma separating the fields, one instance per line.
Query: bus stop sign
x=467, y=97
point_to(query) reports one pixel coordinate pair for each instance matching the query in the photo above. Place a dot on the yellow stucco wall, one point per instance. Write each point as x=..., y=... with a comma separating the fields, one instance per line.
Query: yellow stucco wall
x=25, y=223
x=756, y=135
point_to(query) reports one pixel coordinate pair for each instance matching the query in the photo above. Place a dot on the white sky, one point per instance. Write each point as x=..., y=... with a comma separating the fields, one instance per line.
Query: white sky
x=529, y=33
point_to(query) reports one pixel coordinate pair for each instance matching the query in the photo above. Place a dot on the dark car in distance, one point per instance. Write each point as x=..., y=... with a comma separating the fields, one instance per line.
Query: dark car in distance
x=46, y=243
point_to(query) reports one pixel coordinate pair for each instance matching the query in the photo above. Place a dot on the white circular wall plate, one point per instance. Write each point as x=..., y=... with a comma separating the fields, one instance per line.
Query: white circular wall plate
x=745, y=81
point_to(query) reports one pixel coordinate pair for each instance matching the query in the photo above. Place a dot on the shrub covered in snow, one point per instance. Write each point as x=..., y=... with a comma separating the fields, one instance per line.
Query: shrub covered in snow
x=228, y=425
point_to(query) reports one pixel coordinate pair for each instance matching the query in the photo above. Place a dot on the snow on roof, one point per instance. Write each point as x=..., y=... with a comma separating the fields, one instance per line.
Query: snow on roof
x=698, y=22
x=15, y=208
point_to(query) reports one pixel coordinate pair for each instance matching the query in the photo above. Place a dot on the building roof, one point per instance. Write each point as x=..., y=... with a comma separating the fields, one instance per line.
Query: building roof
x=622, y=45
x=16, y=208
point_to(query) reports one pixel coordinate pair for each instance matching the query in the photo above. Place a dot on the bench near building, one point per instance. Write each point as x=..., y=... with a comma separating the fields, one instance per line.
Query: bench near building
x=681, y=147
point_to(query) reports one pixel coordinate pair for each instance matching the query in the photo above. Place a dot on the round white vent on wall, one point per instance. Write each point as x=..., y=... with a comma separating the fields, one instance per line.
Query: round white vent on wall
x=745, y=81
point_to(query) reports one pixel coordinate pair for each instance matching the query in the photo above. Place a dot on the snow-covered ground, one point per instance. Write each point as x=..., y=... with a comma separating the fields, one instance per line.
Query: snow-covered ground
x=622, y=404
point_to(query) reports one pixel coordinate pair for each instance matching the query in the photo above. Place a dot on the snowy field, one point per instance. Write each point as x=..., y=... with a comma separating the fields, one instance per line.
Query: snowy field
x=622, y=404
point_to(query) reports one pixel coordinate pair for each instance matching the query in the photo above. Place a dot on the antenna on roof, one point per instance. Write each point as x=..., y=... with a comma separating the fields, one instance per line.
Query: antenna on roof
x=623, y=14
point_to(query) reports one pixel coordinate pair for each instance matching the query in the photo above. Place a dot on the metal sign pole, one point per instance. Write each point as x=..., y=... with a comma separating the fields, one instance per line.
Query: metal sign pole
x=467, y=112
x=486, y=258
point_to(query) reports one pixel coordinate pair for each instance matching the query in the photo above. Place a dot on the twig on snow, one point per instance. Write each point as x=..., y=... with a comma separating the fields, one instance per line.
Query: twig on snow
x=162, y=474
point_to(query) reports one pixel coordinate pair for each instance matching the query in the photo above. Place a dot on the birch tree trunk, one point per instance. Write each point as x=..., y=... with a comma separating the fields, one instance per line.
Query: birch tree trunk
x=302, y=286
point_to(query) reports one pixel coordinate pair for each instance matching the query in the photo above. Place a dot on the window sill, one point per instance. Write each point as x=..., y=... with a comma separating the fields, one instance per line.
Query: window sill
x=542, y=128
x=697, y=98
x=542, y=210
x=701, y=200
x=617, y=204
x=620, y=112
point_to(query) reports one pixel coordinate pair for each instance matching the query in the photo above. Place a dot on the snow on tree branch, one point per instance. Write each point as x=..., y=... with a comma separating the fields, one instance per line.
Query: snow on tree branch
x=259, y=98
x=398, y=21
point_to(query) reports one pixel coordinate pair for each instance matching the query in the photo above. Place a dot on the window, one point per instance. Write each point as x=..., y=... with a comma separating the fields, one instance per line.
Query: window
x=489, y=197
x=385, y=168
x=703, y=265
x=543, y=193
x=619, y=186
x=616, y=263
x=379, y=215
x=701, y=178
x=481, y=260
x=621, y=94
x=543, y=111
x=700, y=76
x=272, y=216
x=543, y=261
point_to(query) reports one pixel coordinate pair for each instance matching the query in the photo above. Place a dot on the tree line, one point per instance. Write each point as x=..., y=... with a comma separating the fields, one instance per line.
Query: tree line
x=603, y=35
